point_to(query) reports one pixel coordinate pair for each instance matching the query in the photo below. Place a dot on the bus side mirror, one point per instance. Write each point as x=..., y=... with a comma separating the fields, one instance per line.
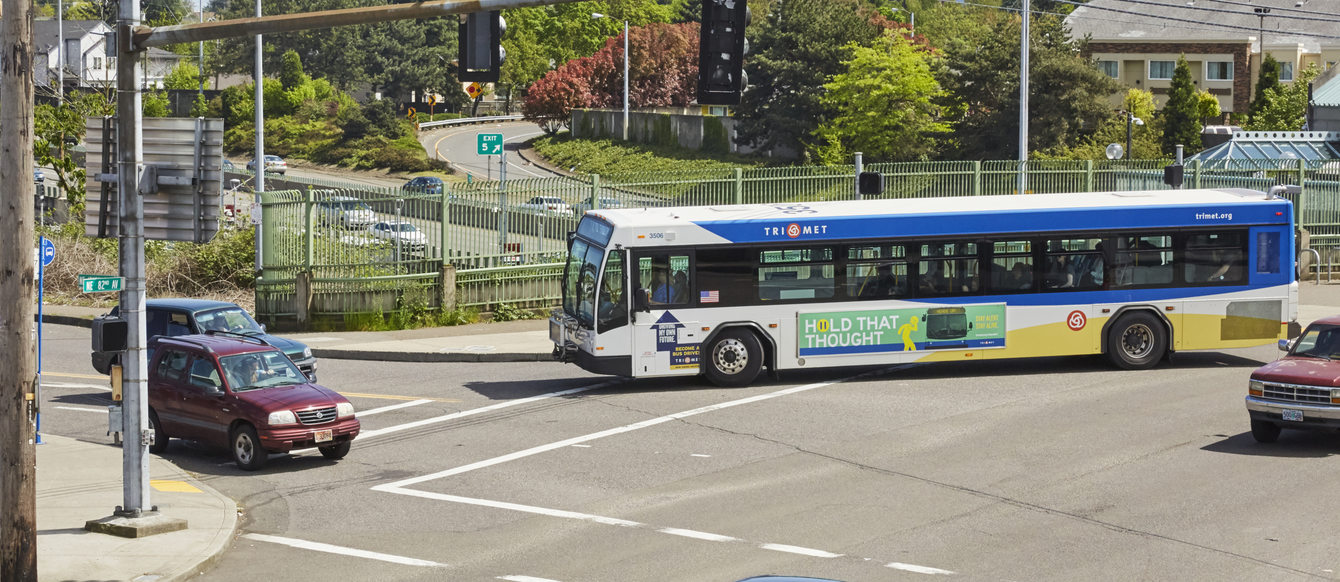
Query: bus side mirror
x=640, y=302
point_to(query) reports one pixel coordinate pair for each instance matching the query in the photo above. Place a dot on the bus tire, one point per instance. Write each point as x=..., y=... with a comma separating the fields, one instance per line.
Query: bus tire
x=734, y=358
x=1137, y=341
x=1265, y=431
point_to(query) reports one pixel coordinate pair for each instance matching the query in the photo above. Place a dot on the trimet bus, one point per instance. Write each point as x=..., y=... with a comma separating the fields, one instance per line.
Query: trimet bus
x=728, y=290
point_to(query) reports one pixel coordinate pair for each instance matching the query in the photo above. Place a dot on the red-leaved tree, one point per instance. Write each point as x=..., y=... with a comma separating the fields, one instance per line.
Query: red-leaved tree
x=663, y=71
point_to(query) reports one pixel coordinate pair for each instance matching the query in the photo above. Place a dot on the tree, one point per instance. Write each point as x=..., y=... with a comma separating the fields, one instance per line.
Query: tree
x=552, y=98
x=1181, y=114
x=1285, y=107
x=1207, y=106
x=688, y=10
x=184, y=76
x=663, y=71
x=1267, y=79
x=56, y=128
x=881, y=105
x=800, y=44
x=290, y=73
x=1068, y=96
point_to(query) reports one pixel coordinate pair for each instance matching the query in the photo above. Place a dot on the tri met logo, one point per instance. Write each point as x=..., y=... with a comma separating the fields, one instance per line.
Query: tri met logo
x=795, y=230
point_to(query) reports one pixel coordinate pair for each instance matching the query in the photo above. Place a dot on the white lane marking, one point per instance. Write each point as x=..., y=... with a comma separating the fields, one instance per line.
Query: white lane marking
x=320, y=547
x=510, y=506
x=75, y=385
x=525, y=579
x=604, y=433
x=582, y=446
x=464, y=413
x=392, y=407
x=799, y=550
x=701, y=455
x=917, y=569
x=697, y=535
x=82, y=409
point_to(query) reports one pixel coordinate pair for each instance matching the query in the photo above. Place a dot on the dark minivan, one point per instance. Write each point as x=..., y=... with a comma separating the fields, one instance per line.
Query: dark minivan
x=174, y=317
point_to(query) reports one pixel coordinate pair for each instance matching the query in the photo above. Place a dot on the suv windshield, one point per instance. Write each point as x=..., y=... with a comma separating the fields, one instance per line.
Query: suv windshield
x=260, y=370
x=1319, y=341
x=233, y=319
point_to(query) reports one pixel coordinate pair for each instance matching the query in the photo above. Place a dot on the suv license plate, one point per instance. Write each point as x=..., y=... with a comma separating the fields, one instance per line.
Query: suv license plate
x=322, y=436
x=1295, y=415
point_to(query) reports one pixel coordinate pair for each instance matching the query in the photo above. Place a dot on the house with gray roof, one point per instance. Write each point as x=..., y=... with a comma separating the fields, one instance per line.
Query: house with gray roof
x=86, y=62
x=1138, y=42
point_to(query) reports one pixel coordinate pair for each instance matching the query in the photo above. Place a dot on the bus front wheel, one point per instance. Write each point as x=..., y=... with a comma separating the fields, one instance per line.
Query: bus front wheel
x=734, y=358
x=1137, y=341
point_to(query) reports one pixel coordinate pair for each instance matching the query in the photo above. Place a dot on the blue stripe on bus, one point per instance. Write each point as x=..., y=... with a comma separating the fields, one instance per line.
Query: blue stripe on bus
x=968, y=224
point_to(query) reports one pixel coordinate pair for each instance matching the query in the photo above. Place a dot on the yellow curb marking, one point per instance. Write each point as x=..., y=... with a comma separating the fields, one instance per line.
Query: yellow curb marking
x=173, y=486
x=84, y=376
x=394, y=397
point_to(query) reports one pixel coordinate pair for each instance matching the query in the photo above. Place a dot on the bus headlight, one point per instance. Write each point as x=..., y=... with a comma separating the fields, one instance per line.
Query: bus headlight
x=1258, y=388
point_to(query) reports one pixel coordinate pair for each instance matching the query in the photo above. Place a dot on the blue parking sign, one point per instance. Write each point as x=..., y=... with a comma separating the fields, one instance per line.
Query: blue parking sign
x=48, y=251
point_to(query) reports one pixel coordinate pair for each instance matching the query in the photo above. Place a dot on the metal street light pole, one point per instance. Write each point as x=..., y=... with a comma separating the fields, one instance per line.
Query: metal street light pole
x=1131, y=118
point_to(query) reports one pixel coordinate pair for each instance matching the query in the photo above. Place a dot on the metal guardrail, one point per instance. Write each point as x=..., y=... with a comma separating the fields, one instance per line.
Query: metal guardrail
x=468, y=121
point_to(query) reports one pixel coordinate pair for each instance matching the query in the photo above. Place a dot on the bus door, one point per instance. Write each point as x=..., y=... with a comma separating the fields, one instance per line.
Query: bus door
x=664, y=340
x=613, y=302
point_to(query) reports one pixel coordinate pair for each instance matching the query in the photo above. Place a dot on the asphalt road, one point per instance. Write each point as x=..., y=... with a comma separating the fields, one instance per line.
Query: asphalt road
x=1044, y=469
x=457, y=145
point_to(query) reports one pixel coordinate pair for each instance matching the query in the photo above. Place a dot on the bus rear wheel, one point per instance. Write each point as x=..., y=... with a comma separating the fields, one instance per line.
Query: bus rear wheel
x=1137, y=341
x=734, y=358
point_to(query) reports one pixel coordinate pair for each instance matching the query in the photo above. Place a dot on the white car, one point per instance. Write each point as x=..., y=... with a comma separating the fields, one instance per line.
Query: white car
x=552, y=204
x=407, y=235
x=580, y=208
x=273, y=164
x=346, y=212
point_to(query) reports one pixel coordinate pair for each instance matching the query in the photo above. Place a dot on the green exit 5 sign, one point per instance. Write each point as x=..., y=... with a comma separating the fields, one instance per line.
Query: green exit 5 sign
x=100, y=283
x=490, y=144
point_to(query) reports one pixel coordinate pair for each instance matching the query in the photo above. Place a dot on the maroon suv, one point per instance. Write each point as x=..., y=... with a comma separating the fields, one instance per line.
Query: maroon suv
x=1302, y=389
x=240, y=392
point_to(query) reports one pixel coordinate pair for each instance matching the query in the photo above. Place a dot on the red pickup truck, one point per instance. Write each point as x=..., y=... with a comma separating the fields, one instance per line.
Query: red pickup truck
x=1300, y=390
x=240, y=392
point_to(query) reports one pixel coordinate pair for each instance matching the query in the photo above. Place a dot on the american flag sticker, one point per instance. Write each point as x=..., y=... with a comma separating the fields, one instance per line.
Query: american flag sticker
x=709, y=296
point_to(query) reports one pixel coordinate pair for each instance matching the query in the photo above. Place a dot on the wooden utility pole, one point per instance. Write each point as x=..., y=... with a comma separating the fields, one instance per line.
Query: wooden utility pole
x=18, y=367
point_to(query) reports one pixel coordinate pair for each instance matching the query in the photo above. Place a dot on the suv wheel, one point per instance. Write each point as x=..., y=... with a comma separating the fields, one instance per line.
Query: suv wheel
x=160, y=436
x=246, y=447
x=335, y=452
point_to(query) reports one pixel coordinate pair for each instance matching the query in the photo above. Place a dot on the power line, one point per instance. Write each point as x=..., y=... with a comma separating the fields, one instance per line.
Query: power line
x=1189, y=6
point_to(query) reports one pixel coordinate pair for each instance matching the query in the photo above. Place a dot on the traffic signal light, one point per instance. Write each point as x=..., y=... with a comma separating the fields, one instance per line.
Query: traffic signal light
x=481, y=48
x=721, y=51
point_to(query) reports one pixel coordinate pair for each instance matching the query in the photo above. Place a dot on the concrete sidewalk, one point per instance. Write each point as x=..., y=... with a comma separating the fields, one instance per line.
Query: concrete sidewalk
x=79, y=481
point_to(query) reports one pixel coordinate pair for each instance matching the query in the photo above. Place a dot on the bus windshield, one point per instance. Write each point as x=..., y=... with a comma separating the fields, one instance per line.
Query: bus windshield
x=579, y=280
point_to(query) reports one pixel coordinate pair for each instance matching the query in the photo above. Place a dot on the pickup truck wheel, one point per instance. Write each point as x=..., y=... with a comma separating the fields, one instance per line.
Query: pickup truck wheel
x=1265, y=431
x=160, y=436
x=1137, y=341
x=335, y=452
x=246, y=447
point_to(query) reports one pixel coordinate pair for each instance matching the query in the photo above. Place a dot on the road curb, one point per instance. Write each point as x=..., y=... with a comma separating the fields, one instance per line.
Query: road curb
x=65, y=320
x=429, y=357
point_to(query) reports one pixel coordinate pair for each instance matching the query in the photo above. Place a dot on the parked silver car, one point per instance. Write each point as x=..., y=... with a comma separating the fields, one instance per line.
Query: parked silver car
x=346, y=212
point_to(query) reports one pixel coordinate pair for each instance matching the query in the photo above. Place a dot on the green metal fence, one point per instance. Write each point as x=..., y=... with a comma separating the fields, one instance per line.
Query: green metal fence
x=334, y=249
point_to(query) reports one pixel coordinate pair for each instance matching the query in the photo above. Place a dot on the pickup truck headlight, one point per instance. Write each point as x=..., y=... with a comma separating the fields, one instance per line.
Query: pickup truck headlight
x=281, y=418
x=1256, y=387
x=344, y=410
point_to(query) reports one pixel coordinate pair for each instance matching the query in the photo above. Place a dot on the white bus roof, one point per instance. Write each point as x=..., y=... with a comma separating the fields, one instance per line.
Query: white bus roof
x=927, y=216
